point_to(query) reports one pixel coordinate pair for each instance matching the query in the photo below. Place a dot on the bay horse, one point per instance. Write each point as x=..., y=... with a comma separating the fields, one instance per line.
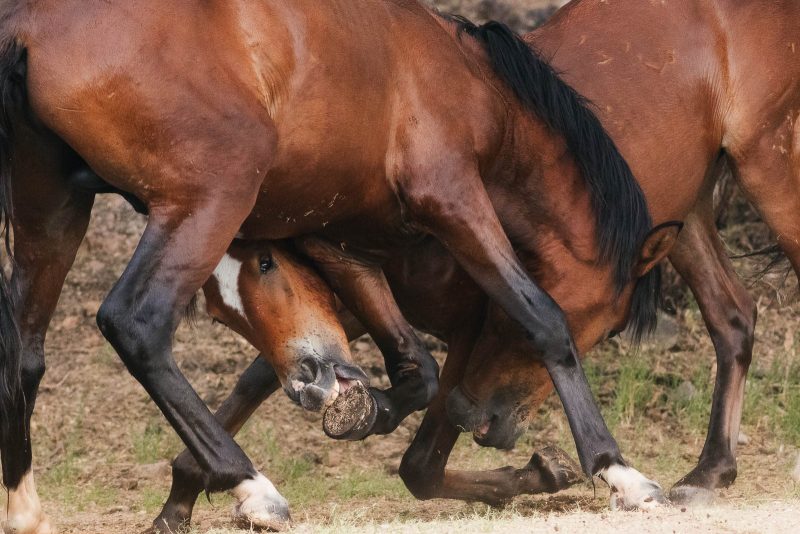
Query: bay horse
x=687, y=110
x=280, y=119
x=269, y=295
x=708, y=86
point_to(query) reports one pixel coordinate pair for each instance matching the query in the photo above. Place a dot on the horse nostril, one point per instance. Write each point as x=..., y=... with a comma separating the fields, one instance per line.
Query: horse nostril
x=309, y=370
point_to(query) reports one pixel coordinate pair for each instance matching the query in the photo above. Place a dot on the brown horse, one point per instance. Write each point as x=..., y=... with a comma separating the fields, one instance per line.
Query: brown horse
x=280, y=304
x=707, y=85
x=646, y=115
x=279, y=119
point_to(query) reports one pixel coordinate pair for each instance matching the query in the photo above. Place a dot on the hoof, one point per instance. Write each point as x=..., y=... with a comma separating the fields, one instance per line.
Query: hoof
x=167, y=526
x=692, y=496
x=260, y=506
x=557, y=467
x=352, y=416
x=630, y=490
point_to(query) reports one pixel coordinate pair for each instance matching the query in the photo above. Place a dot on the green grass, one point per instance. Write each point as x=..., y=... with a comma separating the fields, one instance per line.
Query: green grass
x=155, y=442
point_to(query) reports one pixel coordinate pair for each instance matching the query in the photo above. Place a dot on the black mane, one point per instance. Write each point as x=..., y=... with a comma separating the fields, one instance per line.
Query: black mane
x=623, y=220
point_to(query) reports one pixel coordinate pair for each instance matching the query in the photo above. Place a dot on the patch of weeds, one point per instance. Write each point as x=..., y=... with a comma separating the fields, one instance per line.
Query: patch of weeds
x=65, y=472
x=373, y=483
x=772, y=400
x=95, y=496
x=151, y=499
x=693, y=409
x=154, y=443
x=633, y=391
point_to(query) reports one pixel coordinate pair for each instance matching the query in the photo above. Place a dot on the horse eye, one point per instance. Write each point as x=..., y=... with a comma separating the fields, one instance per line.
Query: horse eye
x=266, y=264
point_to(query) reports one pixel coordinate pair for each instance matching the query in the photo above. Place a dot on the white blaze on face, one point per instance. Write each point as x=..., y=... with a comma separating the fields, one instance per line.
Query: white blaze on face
x=260, y=504
x=227, y=277
x=630, y=489
x=25, y=514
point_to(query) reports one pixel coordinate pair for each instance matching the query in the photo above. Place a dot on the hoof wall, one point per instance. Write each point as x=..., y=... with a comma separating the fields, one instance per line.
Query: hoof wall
x=352, y=416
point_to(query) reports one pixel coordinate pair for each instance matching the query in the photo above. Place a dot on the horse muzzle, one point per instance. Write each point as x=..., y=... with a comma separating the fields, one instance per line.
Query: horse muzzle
x=490, y=427
x=317, y=383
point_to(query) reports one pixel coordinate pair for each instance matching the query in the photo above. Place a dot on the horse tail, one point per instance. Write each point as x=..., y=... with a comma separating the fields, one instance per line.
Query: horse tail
x=12, y=101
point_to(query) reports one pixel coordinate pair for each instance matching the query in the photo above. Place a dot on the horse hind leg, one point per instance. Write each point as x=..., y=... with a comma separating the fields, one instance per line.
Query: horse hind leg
x=49, y=221
x=730, y=316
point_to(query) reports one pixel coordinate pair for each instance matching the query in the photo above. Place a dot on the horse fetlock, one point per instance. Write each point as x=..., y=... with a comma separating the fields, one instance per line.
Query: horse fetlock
x=25, y=515
x=630, y=490
x=28, y=525
x=420, y=474
x=556, y=468
x=260, y=505
x=697, y=487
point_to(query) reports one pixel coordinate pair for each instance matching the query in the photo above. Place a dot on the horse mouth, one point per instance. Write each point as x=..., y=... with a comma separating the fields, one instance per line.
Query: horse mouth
x=346, y=378
x=343, y=384
x=481, y=432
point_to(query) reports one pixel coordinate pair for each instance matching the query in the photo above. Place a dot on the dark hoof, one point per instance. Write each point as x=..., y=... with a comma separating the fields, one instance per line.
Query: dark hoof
x=557, y=467
x=164, y=526
x=352, y=416
x=692, y=496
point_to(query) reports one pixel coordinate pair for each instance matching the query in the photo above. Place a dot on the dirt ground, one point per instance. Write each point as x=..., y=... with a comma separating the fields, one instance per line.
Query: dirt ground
x=101, y=448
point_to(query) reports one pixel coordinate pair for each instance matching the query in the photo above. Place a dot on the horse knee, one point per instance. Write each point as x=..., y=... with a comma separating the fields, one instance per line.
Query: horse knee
x=553, y=339
x=32, y=366
x=137, y=335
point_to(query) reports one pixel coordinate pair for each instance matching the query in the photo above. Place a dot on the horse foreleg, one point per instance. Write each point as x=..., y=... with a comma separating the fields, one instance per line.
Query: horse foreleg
x=180, y=248
x=256, y=384
x=730, y=316
x=49, y=223
x=413, y=372
x=462, y=217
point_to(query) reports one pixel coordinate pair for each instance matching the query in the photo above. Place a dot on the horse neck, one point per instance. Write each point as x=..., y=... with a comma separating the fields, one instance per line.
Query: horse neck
x=545, y=195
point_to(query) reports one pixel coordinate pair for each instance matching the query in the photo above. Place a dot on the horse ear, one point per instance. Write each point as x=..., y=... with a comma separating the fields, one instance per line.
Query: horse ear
x=656, y=246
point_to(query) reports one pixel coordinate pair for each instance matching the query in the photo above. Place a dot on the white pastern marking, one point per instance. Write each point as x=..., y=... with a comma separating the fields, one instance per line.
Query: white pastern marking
x=25, y=514
x=630, y=489
x=261, y=504
x=227, y=276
